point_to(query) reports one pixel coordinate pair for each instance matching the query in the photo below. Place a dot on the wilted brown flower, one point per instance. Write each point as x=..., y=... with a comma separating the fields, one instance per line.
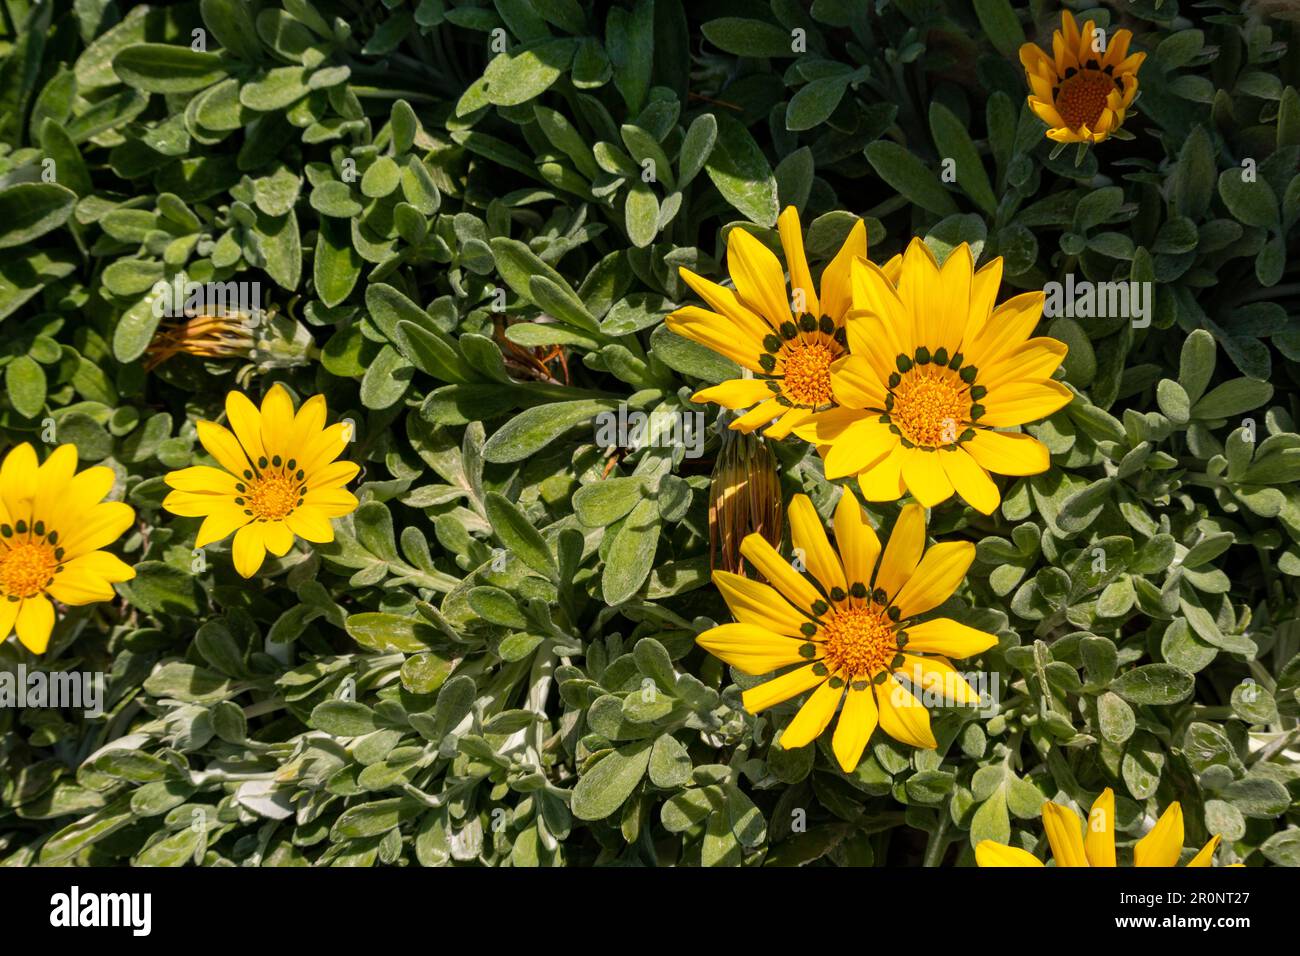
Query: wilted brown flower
x=744, y=498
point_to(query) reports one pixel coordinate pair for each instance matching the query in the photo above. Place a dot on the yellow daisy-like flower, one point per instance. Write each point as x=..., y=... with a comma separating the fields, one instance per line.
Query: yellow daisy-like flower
x=1070, y=847
x=851, y=630
x=934, y=370
x=280, y=479
x=787, y=338
x=1081, y=92
x=53, y=523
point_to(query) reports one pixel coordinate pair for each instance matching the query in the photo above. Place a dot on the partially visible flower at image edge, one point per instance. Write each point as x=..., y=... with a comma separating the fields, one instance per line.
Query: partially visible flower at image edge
x=851, y=629
x=754, y=325
x=1160, y=847
x=936, y=369
x=280, y=478
x=1082, y=94
x=53, y=523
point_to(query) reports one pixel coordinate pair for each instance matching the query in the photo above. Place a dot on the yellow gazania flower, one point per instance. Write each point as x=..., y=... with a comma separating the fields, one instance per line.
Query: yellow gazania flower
x=851, y=629
x=53, y=523
x=280, y=478
x=1161, y=847
x=934, y=369
x=787, y=339
x=1082, y=94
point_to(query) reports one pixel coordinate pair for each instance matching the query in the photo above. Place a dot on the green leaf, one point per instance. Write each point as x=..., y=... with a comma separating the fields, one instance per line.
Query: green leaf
x=1233, y=397
x=1196, y=364
x=1156, y=684
x=535, y=428
x=631, y=556
x=1001, y=25
x=741, y=172
x=954, y=142
x=1252, y=201
x=164, y=68
x=25, y=383
x=744, y=37
x=603, y=788
x=910, y=177
x=518, y=535
x=30, y=210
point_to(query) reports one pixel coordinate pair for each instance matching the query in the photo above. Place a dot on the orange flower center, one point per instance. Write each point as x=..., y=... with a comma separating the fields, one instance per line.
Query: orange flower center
x=860, y=642
x=271, y=495
x=807, y=373
x=27, y=567
x=1082, y=97
x=931, y=406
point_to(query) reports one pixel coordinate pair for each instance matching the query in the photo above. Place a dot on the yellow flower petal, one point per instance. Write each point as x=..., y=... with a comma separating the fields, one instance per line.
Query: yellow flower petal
x=1010, y=325
x=735, y=393
x=249, y=549
x=1099, y=842
x=100, y=526
x=309, y=420
x=925, y=478
x=202, y=479
x=856, y=384
x=758, y=276
x=884, y=482
x=1063, y=833
x=277, y=537
x=769, y=563
x=991, y=854
x=311, y=524
x=331, y=502
x=1206, y=855
x=87, y=489
x=836, y=288
x=8, y=615
x=713, y=332
x=34, y=623
x=937, y=676
x=903, y=552
x=758, y=416
x=813, y=717
x=246, y=422
x=902, y=716
x=18, y=480
x=277, y=423
x=1008, y=453
x=753, y=650
x=1036, y=359
x=778, y=689
x=858, y=720
x=937, y=575
x=796, y=261
x=223, y=520
x=754, y=603
x=1021, y=402
x=858, y=544
x=725, y=302
x=950, y=638
x=969, y=480
x=333, y=475
x=808, y=535
x=862, y=446
x=1164, y=844
x=787, y=423
x=823, y=428
x=222, y=445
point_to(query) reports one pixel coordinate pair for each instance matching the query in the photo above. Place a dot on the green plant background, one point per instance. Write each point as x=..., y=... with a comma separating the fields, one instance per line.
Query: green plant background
x=391, y=172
